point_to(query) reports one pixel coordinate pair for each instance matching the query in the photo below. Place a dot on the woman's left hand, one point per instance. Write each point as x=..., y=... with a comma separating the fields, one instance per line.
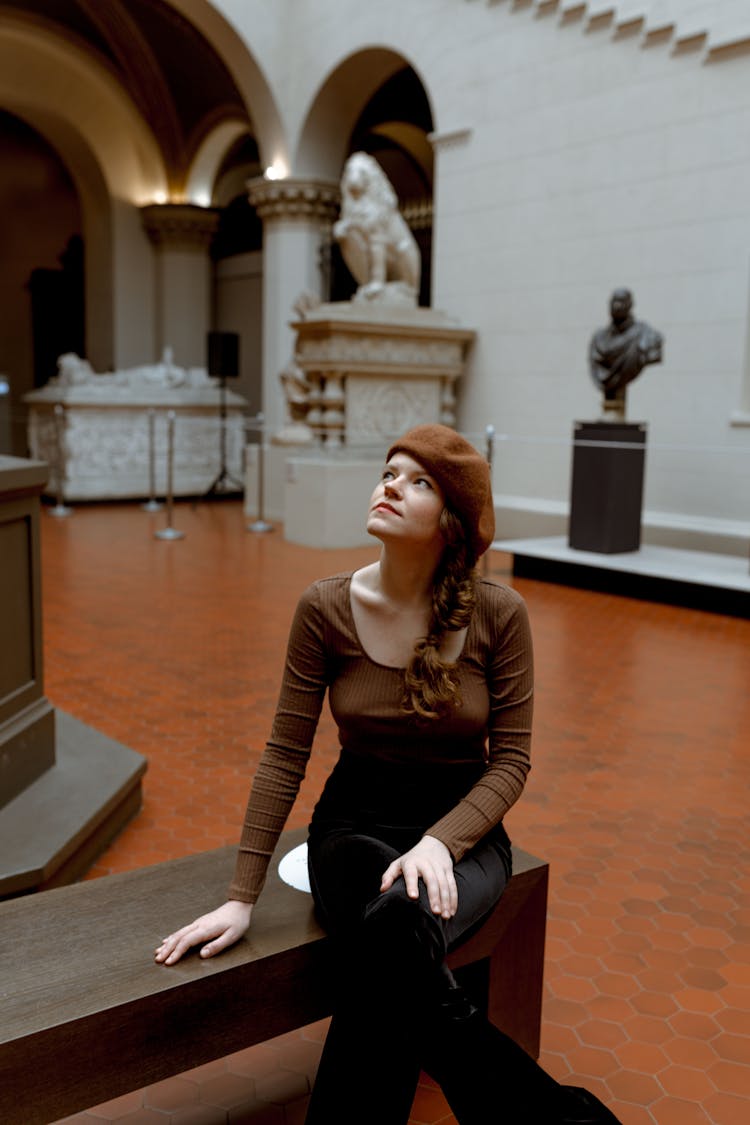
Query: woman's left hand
x=430, y=861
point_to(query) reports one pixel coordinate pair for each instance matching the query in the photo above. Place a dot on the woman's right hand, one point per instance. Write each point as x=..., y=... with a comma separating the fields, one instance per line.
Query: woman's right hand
x=219, y=929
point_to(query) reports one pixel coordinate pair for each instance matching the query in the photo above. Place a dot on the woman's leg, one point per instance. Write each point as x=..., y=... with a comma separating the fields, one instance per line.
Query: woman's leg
x=370, y=1063
x=390, y=952
x=486, y=1077
x=399, y=1009
x=489, y=1080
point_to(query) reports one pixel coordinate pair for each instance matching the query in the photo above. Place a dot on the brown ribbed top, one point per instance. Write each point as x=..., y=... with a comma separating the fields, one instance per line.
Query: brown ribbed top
x=324, y=653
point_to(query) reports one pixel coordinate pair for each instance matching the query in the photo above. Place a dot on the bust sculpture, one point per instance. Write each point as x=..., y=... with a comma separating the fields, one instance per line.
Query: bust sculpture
x=376, y=242
x=619, y=352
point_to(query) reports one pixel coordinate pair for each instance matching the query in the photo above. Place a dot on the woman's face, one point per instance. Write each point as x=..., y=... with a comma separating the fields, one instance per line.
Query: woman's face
x=406, y=504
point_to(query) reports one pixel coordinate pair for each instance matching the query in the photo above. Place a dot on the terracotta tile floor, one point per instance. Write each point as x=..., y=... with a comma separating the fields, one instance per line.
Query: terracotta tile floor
x=638, y=797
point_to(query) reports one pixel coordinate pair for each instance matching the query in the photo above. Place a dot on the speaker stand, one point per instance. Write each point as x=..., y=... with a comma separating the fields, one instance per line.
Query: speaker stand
x=224, y=483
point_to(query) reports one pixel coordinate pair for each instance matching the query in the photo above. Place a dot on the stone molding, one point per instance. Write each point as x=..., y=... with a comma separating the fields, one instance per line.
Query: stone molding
x=294, y=199
x=179, y=225
x=417, y=214
x=412, y=355
x=452, y=138
x=706, y=30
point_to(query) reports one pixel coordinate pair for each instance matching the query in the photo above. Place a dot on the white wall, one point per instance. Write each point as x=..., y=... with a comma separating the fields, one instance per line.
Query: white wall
x=589, y=154
x=592, y=164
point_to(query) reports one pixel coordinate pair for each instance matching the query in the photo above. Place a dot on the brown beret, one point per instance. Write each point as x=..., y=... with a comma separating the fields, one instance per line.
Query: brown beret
x=462, y=474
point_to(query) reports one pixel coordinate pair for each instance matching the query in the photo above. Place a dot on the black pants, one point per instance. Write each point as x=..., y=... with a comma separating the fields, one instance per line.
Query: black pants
x=391, y=976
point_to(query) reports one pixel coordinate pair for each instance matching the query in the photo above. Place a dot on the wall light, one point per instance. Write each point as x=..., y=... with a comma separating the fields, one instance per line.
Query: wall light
x=276, y=171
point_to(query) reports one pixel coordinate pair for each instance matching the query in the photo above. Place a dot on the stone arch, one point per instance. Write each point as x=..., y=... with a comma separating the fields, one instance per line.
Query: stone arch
x=45, y=76
x=55, y=87
x=359, y=106
x=246, y=73
x=62, y=91
x=201, y=182
x=338, y=103
x=98, y=228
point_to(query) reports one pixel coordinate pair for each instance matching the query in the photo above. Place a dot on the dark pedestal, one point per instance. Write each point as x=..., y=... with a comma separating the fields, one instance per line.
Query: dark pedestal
x=65, y=790
x=27, y=721
x=606, y=494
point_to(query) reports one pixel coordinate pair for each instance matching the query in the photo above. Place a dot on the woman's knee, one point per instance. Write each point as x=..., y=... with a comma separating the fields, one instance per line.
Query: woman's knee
x=345, y=874
x=404, y=931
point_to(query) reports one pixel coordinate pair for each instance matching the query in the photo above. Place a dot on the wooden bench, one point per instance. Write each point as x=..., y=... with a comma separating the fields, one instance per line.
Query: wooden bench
x=86, y=1015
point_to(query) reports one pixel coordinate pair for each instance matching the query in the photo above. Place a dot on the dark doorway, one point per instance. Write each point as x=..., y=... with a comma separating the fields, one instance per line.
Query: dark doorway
x=58, y=311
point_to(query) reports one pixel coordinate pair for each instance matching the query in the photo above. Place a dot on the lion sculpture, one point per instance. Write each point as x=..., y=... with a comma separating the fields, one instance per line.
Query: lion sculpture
x=376, y=243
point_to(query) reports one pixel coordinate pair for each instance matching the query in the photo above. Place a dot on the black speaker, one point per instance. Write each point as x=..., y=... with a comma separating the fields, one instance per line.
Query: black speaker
x=223, y=354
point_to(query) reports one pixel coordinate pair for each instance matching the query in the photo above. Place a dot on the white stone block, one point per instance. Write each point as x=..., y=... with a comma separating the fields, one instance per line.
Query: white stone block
x=326, y=500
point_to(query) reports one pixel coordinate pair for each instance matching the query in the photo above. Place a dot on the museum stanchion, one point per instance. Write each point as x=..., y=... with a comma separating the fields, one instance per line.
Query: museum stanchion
x=152, y=504
x=61, y=509
x=259, y=524
x=223, y=362
x=170, y=532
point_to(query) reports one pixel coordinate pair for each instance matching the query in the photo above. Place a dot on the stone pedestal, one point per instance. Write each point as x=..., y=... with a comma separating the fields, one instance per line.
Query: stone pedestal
x=326, y=498
x=65, y=789
x=607, y=486
x=376, y=369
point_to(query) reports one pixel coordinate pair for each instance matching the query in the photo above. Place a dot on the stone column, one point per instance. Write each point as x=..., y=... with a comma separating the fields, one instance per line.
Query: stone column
x=297, y=217
x=181, y=234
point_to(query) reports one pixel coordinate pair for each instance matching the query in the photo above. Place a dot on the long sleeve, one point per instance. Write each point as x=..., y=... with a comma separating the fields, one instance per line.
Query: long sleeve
x=284, y=760
x=510, y=678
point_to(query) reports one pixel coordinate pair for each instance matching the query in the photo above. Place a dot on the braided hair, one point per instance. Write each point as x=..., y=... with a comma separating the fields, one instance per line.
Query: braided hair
x=430, y=683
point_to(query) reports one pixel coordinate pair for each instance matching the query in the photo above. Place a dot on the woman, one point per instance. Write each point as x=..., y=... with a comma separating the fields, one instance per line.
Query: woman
x=429, y=674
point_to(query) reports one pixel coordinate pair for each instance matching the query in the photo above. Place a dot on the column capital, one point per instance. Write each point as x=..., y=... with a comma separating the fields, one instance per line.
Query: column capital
x=294, y=199
x=179, y=225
